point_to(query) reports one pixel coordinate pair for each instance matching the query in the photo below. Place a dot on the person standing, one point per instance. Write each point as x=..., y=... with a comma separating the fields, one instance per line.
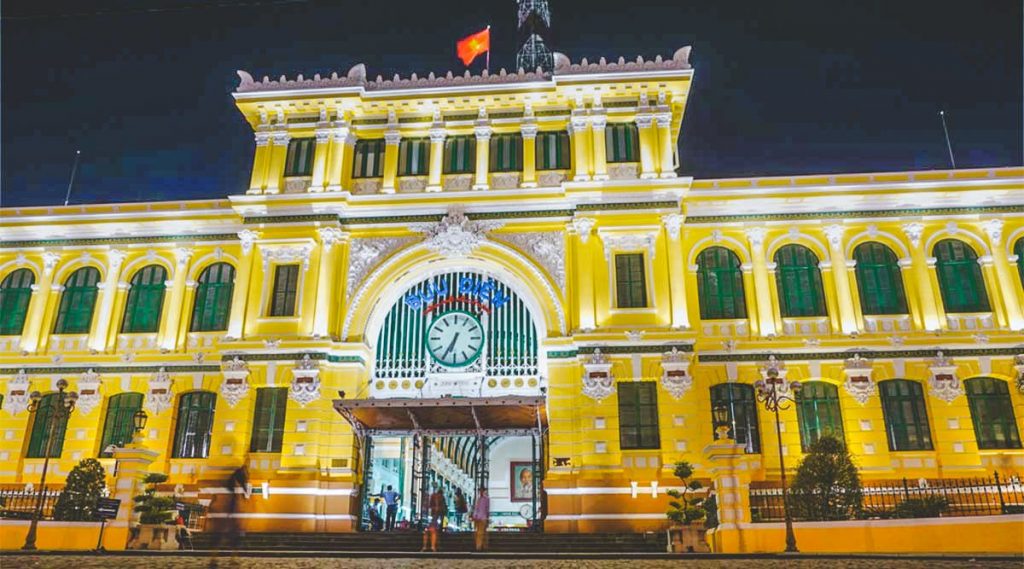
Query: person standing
x=391, y=506
x=438, y=507
x=460, y=508
x=481, y=517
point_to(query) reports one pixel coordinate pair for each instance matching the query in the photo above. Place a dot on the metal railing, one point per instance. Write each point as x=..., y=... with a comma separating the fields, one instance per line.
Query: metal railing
x=922, y=498
x=19, y=504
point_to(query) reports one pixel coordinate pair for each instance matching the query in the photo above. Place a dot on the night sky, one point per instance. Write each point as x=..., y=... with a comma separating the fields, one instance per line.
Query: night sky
x=781, y=88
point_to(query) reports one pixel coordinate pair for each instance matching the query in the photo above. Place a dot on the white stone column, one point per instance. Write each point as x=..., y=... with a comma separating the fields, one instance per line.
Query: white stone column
x=841, y=278
x=676, y=271
x=1007, y=289
x=666, y=153
x=436, y=170
x=108, y=290
x=240, y=295
x=174, y=307
x=325, y=284
x=762, y=281
x=482, y=130
x=34, y=319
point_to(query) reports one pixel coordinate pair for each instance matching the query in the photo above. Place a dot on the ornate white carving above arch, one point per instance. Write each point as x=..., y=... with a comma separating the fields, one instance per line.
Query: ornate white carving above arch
x=216, y=256
x=884, y=237
x=737, y=247
x=964, y=233
x=795, y=236
x=20, y=261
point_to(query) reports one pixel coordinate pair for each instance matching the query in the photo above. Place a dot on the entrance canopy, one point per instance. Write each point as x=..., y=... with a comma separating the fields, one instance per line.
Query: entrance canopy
x=447, y=416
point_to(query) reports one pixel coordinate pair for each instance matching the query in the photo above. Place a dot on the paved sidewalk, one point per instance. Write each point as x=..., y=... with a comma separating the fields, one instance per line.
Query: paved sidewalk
x=183, y=562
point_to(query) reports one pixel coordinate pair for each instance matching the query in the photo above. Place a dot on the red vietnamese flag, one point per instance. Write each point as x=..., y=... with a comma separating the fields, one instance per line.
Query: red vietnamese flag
x=471, y=46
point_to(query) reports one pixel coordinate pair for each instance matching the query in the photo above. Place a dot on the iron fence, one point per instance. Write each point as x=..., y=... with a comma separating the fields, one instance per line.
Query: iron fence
x=905, y=498
x=19, y=504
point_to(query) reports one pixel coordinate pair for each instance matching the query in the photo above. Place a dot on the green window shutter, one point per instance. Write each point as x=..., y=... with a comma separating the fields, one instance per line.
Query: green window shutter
x=506, y=152
x=960, y=280
x=15, y=294
x=798, y=280
x=74, y=316
x=1018, y=249
x=213, y=298
x=992, y=413
x=879, y=280
x=286, y=286
x=906, y=418
x=630, y=281
x=413, y=155
x=552, y=149
x=119, y=424
x=622, y=142
x=268, y=423
x=460, y=154
x=733, y=406
x=368, y=158
x=145, y=300
x=299, y=161
x=638, y=415
x=818, y=412
x=720, y=285
x=194, y=425
x=41, y=429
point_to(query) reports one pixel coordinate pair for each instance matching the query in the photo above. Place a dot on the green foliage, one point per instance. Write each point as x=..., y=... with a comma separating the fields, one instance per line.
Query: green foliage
x=827, y=483
x=710, y=506
x=154, y=509
x=85, y=484
x=683, y=508
x=924, y=507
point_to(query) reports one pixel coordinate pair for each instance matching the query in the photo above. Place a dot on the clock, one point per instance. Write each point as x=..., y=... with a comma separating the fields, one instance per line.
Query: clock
x=455, y=338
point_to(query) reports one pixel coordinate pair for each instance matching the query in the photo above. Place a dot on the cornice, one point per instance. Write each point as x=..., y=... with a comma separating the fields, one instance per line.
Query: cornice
x=139, y=240
x=895, y=213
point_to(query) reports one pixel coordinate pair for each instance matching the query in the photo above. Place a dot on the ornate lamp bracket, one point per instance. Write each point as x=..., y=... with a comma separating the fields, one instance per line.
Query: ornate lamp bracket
x=598, y=381
x=859, y=383
x=944, y=383
x=305, y=387
x=675, y=377
x=236, y=381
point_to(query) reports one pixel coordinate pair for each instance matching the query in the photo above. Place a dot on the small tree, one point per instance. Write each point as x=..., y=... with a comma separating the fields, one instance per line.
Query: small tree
x=827, y=483
x=684, y=509
x=85, y=484
x=154, y=509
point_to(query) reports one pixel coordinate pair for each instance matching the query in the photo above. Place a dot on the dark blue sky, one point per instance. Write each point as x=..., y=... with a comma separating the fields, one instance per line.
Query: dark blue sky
x=792, y=87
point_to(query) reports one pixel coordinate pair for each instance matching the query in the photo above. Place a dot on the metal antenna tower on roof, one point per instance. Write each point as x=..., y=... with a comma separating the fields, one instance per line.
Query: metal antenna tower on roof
x=534, y=26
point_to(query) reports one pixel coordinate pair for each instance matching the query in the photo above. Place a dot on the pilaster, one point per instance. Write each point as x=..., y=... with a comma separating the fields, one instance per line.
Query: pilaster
x=930, y=318
x=30, y=335
x=326, y=274
x=174, y=308
x=240, y=294
x=320, y=154
x=108, y=290
x=648, y=144
x=260, y=162
x=1004, y=273
x=666, y=152
x=841, y=277
x=392, y=138
x=278, y=156
x=342, y=141
x=762, y=281
x=483, y=131
x=437, y=138
x=677, y=283
x=580, y=148
x=583, y=226
x=598, y=124
x=529, y=132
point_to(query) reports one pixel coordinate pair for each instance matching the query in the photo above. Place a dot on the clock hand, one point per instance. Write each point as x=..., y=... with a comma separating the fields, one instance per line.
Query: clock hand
x=452, y=345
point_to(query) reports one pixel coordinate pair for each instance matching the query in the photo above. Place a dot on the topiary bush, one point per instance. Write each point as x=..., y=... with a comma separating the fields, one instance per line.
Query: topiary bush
x=154, y=509
x=924, y=507
x=86, y=483
x=827, y=483
x=682, y=508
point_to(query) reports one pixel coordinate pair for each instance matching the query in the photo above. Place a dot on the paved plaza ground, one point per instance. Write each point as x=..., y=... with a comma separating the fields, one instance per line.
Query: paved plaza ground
x=189, y=562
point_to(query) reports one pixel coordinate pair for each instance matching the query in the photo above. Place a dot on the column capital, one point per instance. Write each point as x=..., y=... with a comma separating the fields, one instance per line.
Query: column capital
x=644, y=120
x=182, y=255
x=756, y=235
x=664, y=120
x=583, y=227
x=322, y=135
x=281, y=138
x=392, y=137
x=598, y=121
x=994, y=229
x=529, y=130
x=262, y=138
x=50, y=261
x=248, y=237
x=913, y=231
x=329, y=236
x=438, y=134
x=673, y=224
x=834, y=233
x=116, y=257
x=578, y=122
x=482, y=132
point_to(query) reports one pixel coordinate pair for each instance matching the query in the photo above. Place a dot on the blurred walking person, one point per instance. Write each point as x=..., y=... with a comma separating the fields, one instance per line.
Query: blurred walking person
x=438, y=508
x=481, y=517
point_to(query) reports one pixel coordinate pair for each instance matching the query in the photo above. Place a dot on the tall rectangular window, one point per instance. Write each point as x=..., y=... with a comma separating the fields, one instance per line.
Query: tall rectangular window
x=906, y=418
x=368, y=161
x=622, y=142
x=553, y=151
x=506, y=152
x=119, y=425
x=630, y=281
x=41, y=421
x=460, y=154
x=268, y=423
x=194, y=424
x=413, y=156
x=286, y=286
x=638, y=415
x=299, y=161
x=818, y=412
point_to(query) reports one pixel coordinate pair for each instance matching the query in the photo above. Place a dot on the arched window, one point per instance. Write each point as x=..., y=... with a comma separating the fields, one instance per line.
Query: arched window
x=1018, y=250
x=40, y=431
x=15, y=293
x=119, y=424
x=213, y=298
x=733, y=406
x=960, y=280
x=145, y=300
x=195, y=424
x=992, y=413
x=817, y=410
x=720, y=284
x=879, y=280
x=799, y=282
x=906, y=419
x=78, y=301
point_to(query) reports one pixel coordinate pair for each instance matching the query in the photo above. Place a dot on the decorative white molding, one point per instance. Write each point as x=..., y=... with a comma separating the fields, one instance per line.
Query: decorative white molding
x=834, y=234
x=182, y=255
x=287, y=254
x=756, y=235
x=50, y=261
x=366, y=252
x=773, y=372
x=160, y=396
x=236, y=381
x=89, y=392
x=859, y=383
x=305, y=386
x=248, y=237
x=994, y=229
x=115, y=257
x=456, y=235
x=598, y=381
x=547, y=248
x=673, y=224
x=914, y=231
x=18, y=390
x=675, y=376
x=329, y=236
x=644, y=120
x=628, y=242
x=583, y=227
x=943, y=381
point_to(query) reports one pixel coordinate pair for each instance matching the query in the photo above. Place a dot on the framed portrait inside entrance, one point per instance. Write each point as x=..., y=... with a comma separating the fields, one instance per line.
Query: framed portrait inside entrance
x=521, y=481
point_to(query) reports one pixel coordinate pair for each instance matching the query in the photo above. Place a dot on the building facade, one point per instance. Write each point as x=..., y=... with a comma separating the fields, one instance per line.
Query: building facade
x=521, y=239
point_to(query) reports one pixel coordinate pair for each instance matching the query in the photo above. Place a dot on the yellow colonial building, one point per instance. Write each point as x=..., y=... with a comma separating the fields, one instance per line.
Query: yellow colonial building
x=502, y=280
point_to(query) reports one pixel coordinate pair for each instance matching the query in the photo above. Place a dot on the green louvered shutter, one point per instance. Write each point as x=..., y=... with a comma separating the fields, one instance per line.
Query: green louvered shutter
x=879, y=280
x=15, y=295
x=74, y=316
x=145, y=300
x=960, y=279
x=798, y=280
x=720, y=285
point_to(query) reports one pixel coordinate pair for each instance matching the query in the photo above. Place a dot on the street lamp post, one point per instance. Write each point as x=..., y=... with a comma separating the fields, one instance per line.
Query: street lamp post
x=60, y=409
x=773, y=394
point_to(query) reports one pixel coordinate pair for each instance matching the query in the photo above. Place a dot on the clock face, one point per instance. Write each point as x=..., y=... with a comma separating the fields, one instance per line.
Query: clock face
x=454, y=339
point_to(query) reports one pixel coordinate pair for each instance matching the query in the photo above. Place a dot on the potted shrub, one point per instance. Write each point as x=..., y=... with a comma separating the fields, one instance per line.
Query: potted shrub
x=86, y=483
x=686, y=513
x=155, y=513
x=827, y=484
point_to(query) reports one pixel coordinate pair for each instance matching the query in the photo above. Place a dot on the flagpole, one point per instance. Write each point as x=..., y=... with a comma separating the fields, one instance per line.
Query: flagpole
x=488, y=48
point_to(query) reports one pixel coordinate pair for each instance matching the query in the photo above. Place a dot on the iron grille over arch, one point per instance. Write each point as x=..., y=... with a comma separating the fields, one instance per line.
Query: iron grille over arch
x=508, y=361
